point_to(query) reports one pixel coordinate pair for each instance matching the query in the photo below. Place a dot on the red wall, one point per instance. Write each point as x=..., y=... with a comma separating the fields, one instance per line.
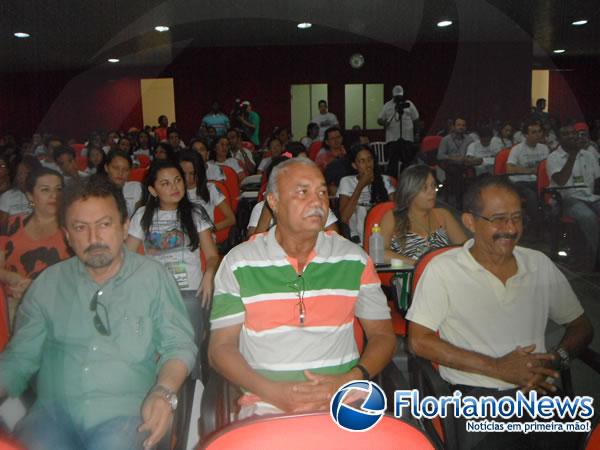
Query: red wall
x=442, y=80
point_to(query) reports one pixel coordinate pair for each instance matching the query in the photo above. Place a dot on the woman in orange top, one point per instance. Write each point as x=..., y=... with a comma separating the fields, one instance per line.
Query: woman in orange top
x=30, y=243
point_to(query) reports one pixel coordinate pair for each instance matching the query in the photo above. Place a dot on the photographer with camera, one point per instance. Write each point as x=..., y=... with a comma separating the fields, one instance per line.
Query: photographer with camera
x=397, y=117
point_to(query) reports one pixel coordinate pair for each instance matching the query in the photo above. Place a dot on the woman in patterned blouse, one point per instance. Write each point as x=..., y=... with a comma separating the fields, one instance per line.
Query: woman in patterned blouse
x=416, y=226
x=31, y=242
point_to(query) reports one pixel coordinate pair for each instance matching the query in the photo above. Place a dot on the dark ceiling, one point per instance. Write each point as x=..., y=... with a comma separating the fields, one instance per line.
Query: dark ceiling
x=75, y=34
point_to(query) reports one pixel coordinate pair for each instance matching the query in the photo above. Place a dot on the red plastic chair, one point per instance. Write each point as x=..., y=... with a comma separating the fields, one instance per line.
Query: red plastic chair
x=430, y=143
x=592, y=442
x=232, y=182
x=77, y=148
x=313, y=150
x=82, y=162
x=311, y=431
x=4, y=325
x=222, y=235
x=143, y=160
x=249, y=145
x=138, y=174
x=500, y=161
x=423, y=261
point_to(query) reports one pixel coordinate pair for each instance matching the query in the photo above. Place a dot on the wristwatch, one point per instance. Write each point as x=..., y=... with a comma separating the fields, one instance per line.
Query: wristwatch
x=167, y=394
x=564, y=358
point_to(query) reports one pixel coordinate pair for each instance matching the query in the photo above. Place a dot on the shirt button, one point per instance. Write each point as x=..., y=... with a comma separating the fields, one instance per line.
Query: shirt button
x=86, y=369
x=100, y=292
x=94, y=348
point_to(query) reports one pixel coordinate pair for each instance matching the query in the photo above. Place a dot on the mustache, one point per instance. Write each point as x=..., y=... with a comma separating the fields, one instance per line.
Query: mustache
x=314, y=212
x=93, y=247
x=512, y=236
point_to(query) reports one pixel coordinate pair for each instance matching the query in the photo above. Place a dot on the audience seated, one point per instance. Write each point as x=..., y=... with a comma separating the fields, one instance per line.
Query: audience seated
x=244, y=156
x=504, y=138
x=361, y=191
x=213, y=171
x=164, y=151
x=15, y=201
x=299, y=365
x=220, y=155
x=333, y=148
x=416, y=226
x=274, y=150
x=569, y=166
x=481, y=153
x=32, y=241
x=93, y=344
x=312, y=135
x=65, y=159
x=522, y=164
x=173, y=233
x=469, y=314
x=116, y=168
x=203, y=195
x=96, y=159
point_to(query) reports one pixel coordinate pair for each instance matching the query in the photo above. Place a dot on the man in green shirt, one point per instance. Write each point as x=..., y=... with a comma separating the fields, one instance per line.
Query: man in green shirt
x=251, y=123
x=107, y=331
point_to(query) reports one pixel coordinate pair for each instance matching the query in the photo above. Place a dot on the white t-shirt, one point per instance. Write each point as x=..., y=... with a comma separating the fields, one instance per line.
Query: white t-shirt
x=264, y=163
x=14, y=202
x=307, y=142
x=231, y=162
x=325, y=121
x=498, y=143
x=216, y=197
x=132, y=191
x=477, y=150
x=473, y=310
x=524, y=156
x=240, y=157
x=392, y=130
x=257, y=210
x=214, y=172
x=347, y=187
x=584, y=173
x=168, y=244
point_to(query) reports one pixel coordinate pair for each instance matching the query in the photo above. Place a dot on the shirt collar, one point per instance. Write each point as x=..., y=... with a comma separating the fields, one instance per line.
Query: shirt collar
x=524, y=264
x=276, y=252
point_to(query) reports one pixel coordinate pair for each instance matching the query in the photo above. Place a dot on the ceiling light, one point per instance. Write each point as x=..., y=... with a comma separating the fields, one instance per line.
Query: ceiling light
x=559, y=50
x=161, y=28
x=579, y=22
x=444, y=23
x=304, y=25
x=113, y=60
x=22, y=35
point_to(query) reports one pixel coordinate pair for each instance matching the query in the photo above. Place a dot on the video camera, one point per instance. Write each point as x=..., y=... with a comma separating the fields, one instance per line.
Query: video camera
x=401, y=103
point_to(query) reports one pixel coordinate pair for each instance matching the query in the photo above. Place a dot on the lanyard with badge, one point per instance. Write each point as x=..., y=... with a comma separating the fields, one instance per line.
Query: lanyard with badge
x=165, y=242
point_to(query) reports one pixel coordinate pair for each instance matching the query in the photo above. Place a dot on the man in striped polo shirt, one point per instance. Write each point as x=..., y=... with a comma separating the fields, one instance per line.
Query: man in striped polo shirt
x=285, y=303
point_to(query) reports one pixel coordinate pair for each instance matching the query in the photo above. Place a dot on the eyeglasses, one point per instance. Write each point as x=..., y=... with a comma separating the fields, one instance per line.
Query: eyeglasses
x=104, y=330
x=298, y=284
x=502, y=220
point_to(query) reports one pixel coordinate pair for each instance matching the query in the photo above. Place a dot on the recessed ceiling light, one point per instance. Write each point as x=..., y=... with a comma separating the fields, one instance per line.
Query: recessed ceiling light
x=444, y=23
x=22, y=35
x=579, y=22
x=161, y=28
x=113, y=60
x=559, y=50
x=304, y=25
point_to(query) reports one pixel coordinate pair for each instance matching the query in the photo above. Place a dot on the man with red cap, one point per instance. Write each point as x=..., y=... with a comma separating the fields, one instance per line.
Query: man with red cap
x=583, y=131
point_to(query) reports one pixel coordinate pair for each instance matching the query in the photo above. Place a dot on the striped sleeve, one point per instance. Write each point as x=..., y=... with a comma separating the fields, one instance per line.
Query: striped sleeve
x=371, y=304
x=227, y=308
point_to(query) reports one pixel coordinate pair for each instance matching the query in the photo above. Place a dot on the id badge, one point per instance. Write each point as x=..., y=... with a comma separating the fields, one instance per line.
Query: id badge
x=173, y=261
x=578, y=179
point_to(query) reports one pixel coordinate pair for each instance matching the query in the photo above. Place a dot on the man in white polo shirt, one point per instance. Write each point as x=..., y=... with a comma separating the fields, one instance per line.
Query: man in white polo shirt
x=481, y=310
x=569, y=166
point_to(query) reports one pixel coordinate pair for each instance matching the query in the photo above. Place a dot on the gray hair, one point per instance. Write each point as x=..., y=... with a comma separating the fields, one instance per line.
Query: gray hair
x=274, y=178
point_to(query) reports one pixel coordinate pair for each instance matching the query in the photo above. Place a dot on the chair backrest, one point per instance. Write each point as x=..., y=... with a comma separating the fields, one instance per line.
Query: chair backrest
x=222, y=235
x=543, y=181
x=143, y=160
x=4, y=325
x=424, y=260
x=374, y=216
x=314, y=148
x=77, y=148
x=378, y=149
x=82, y=162
x=232, y=182
x=500, y=161
x=430, y=143
x=592, y=442
x=138, y=174
x=249, y=145
x=300, y=432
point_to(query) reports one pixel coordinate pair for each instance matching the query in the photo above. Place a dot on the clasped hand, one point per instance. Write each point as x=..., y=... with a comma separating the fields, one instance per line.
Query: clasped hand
x=529, y=370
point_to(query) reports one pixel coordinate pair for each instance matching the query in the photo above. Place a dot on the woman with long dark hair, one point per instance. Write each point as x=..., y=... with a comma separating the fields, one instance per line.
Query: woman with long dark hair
x=173, y=233
x=202, y=194
x=416, y=225
x=358, y=193
x=117, y=168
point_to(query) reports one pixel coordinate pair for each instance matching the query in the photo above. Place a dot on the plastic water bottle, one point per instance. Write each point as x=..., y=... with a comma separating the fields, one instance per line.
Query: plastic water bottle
x=376, y=245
